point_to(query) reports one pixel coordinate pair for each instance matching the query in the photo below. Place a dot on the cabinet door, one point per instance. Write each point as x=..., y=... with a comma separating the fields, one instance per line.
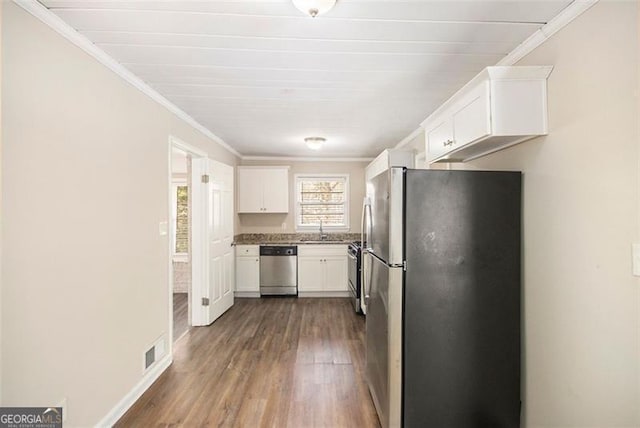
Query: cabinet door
x=310, y=273
x=275, y=182
x=336, y=275
x=440, y=138
x=250, y=190
x=248, y=274
x=472, y=121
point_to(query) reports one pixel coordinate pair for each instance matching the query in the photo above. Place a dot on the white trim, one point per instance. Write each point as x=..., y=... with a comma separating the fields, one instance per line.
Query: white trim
x=189, y=149
x=57, y=24
x=296, y=184
x=171, y=245
x=246, y=294
x=321, y=294
x=303, y=159
x=287, y=167
x=568, y=14
x=558, y=22
x=409, y=138
x=132, y=396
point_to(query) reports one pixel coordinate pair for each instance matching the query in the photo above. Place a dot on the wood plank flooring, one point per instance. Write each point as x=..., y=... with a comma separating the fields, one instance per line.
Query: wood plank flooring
x=180, y=315
x=270, y=362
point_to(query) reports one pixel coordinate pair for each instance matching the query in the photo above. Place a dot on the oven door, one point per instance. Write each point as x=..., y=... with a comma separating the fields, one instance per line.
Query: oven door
x=353, y=269
x=354, y=278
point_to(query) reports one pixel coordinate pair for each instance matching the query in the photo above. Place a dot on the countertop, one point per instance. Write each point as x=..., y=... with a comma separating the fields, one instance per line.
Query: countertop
x=294, y=239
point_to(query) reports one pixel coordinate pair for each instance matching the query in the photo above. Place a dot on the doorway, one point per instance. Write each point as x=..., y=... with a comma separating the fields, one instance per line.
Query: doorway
x=181, y=231
x=201, y=227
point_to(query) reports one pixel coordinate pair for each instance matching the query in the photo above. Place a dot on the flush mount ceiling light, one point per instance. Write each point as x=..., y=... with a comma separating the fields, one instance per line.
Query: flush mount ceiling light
x=314, y=143
x=314, y=8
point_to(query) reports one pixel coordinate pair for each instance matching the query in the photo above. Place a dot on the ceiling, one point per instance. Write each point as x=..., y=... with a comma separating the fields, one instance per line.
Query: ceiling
x=262, y=76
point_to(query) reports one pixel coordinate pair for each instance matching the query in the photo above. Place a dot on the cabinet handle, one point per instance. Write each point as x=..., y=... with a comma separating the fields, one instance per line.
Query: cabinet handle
x=448, y=143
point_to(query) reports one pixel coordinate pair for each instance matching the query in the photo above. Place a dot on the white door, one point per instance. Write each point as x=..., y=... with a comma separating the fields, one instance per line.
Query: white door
x=248, y=274
x=250, y=196
x=275, y=184
x=336, y=276
x=310, y=273
x=213, y=257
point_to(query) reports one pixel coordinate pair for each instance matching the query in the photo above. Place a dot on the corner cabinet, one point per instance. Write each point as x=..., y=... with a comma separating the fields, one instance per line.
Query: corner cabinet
x=247, y=271
x=322, y=271
x=500, y=107
x=263, y=189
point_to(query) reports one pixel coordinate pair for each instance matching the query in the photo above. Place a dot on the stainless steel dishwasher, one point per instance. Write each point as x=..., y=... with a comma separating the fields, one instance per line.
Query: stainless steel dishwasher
x=278, y=270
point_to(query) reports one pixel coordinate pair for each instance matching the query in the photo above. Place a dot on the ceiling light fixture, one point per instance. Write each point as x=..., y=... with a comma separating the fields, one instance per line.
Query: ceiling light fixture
x=315, y=143
x=314, y=8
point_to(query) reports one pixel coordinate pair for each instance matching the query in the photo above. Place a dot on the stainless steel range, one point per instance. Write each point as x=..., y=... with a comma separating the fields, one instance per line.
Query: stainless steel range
x=355, y=266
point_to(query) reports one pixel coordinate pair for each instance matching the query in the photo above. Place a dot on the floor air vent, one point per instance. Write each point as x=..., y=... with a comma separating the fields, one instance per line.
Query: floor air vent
x=149, y=357
x=155, y=353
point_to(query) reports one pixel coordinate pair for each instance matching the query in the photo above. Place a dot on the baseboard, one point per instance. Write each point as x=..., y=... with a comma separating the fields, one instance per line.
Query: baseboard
x=241, y=294
x=127, y=401
x=324, y=293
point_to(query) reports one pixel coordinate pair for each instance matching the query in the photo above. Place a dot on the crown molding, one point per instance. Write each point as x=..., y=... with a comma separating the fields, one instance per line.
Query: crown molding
x=39, y=11
x=409, y=138
x=57, y=24
x=568, y=14
x=303, y=159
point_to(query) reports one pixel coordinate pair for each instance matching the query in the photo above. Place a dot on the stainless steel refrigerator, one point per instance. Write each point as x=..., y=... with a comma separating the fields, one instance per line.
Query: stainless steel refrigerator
x=443, y=298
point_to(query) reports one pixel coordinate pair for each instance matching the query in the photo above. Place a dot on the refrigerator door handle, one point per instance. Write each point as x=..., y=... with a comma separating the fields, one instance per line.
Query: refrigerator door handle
x=366, y=217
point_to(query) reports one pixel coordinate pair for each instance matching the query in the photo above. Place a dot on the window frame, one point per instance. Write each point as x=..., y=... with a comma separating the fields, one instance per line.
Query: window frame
x=299, y=178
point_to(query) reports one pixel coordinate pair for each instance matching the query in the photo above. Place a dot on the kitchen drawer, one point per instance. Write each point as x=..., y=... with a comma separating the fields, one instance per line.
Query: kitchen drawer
x=247, y=250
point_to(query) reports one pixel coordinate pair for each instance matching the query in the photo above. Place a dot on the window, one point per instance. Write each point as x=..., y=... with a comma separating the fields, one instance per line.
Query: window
x=322, y=197
x=181, y=218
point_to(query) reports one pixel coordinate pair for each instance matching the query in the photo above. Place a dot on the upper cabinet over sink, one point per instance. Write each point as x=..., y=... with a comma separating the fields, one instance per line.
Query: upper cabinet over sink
x=263, y=189
x=500, y=107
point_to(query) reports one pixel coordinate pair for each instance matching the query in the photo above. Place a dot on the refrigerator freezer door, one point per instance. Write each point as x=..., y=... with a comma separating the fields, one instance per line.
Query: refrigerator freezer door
x=462, y=299
x=386, y=228
x=384, y=341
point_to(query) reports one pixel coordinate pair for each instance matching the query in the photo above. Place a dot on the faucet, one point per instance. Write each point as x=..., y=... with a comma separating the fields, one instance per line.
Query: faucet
x=323, y=235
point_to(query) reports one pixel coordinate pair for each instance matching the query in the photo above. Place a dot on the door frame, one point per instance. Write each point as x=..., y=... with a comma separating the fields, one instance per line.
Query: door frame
x=176, y=143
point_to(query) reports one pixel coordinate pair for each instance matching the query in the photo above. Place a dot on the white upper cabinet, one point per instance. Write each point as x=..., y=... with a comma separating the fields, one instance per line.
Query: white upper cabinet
x=500, y=107
x=263, y=189
x=387, y=159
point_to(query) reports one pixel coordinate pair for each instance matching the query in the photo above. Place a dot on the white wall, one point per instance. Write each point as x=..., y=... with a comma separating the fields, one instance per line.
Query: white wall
x=272, y=223
x=581, y=214
x=84, y=186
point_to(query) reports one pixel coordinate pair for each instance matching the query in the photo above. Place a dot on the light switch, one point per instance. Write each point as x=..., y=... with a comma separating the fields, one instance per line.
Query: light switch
x=636, y=259
x=162, y=228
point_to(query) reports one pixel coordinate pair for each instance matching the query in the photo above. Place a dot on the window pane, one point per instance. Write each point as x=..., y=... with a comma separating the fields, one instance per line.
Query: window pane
x=182, y=220
x=322, y=199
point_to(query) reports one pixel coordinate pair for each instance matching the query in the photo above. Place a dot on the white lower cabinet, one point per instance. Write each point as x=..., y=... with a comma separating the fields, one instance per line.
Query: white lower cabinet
x=247, y=271
x=322, y=270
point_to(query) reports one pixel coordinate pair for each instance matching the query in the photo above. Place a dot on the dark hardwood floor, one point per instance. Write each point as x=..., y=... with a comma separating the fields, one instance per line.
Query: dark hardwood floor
x=180, y=315
x=271, y=362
